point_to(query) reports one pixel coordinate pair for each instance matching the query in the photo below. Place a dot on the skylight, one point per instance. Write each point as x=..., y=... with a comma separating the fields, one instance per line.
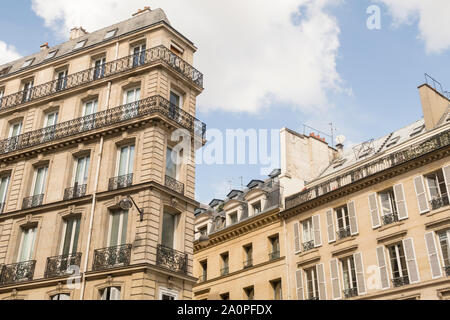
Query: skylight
x=110, y=34
x=27, y=63
x=417, y=130
x=79, y=45
x=51, y=54
x=392, y=141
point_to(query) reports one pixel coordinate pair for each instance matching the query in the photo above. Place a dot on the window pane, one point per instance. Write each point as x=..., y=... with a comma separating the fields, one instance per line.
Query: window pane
x=168, y=230
x=3, y=188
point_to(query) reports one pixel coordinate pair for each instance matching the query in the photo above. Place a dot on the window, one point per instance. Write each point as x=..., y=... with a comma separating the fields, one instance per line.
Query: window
x=307, y=235
x=138, y=53
x=13, y=135
x=417, y=130
x=225, y=296
x=176, y=49
x=276, y=289
x=203, y=231
x=250, y=293
x=349, y=277
x=444, y=241
x=171, y=164
x=99, y=68
x=79, y=45
x=27, y=91
x=274, y=247
x=168, y=230
x=437, y=189
x=166, y=294
x=389, y=212
x=126, y=159
x=204, y=269
x=49, y=125
x=4, y=71
x=398, y=265
x=118, y=222
x=110, y=34
x=27, y=240
x=131, y=100
x=257, y=207
x=81, y=171
x=2, y=94
x=225, y=266
x=40, y=175
x=61, y=296
x=51, y=54
x=61, y=80
x=90, y=108
x=312, y=285
x=27, y=63
x=4, y=183
x=71, y=233
x=233, y=218
x=176, y=103
x=343, y=222
x=248, y=256
x=110, y=293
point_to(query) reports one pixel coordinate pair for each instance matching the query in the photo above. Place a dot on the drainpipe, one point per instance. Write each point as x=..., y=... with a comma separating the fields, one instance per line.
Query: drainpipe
x=287, y=260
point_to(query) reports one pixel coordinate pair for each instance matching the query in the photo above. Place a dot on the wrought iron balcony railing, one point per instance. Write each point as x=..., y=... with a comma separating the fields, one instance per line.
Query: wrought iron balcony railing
x=308, y=245
x=344, y=233
x=120, y=182
x=248, y=263
x=224, y=271
x=447, y=271
x=63, y=265
x=148, y=106
x=173, y=184
x=400, y=281
x=2, y=206
x=75, y=192
x=150, y=56
x=112, y=257
x=390, y=218
x=171, y=259
x=411, y=152
x=32, y=202
x=438, y=203
x=17, y=272
x=350, y=293
x=274, y=255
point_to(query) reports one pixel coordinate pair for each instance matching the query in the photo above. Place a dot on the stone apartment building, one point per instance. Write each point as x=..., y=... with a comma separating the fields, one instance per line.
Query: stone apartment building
x=94, y=204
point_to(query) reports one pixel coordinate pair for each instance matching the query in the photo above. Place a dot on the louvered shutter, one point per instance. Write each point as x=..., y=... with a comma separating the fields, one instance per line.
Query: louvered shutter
x=316, y=228
x=330, y=226
x=411, y=263
x=359, y=268
x=433, y=256
x=299, y=280
x=335, y=282
x=352, y=217
x=374, y=214
x=421, y=195
x=400, y=202
x=446, y=171
x=321, y=280
x=382, y=267
x=297, y=237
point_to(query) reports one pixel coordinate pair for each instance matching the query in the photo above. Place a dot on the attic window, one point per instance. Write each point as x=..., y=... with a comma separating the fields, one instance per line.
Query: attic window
x=339, y=164
x=176, y=49
x=4, y=71
x=392, y=142
x=417, y=130
x=51, y=54
x=27, y=63
x=110, y=34
x=79, y=45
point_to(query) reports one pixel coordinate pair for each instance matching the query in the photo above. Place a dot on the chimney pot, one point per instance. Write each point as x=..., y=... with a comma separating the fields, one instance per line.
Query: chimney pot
x=146, y=9
x=44, y=46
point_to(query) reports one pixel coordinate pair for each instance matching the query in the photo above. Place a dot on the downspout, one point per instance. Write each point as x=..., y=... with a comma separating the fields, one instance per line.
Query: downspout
x=287, y=260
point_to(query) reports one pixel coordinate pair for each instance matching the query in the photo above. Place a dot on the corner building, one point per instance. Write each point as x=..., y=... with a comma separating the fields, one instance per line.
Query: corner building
x=86, y=147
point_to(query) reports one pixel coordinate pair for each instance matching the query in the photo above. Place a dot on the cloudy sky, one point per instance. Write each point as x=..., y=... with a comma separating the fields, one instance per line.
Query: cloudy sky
x=270, y=65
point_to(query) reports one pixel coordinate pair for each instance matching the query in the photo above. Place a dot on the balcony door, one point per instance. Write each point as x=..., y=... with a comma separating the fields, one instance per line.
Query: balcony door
x=176, y=105
x=71, y=234
x=26, y=247
x=61, y=80
x=27, y=91
x=139, y=55
x=40, y=176
x=118, y=223
x=4, y=183
x=80, y=176
x=13, y=135
x=131, y=103
x=171, y=164
x=49, y=125
x=89, y=111
x=168, y=230
x=99, y=68
x=126, y=159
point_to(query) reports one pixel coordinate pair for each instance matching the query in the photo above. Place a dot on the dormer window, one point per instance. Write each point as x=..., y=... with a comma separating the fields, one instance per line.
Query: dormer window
x=417, y=130
x=233, y=217
x=4, y=71
x=257, y=207
x=27, y=63
x=110, y=34
x=79, y=45
x=51, y=54
x=392, y=141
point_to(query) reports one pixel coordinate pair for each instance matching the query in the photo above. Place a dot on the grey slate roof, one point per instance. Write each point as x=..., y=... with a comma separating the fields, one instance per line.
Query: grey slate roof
x=133, y=24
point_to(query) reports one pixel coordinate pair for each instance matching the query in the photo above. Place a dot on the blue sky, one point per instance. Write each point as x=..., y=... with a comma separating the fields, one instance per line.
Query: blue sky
x=382, y=68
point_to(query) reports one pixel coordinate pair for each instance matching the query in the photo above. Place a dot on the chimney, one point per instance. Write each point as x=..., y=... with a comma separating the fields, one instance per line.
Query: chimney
x=44, y=46
x=146, y=9
x=77, y=32
x=434, y=105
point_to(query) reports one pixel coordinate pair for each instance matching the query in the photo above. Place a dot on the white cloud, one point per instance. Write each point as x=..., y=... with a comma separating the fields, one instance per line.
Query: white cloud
x=432, y=18
x=7, y=53
x=251, y=52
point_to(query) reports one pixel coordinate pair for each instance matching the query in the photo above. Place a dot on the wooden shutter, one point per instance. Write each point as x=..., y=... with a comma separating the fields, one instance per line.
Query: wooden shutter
x=330, y=226
x=374, y=214
x=359, y=268
x=433, y=256
x=400, y=202
x=316, y=228
x=297, y=237
x=335, y=282
x=446, y=171
x=411, y=263
x=321, y=281
x=299, y=280
x=352, y=217
x=382, y=267
x=421, y=195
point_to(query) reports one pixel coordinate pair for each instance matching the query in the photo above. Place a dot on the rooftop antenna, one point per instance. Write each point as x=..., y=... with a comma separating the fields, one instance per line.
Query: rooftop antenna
x=333, y=130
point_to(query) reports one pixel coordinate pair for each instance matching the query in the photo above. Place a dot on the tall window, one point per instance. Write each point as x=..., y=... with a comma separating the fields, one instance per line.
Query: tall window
x=118, y=222
x=233, y=218
x=110, y=293
x=274, y=247
x=171, y=164
x=248, y=256
x=204, y=270
x=71, y=234
x=27, y=240
x=225, y=263
x=343, y=222
x=276, y=289
x=131, y=100
x=99, y=68
x=126, y=159
x=81, y=172
x=89, y=111
x=398, y=264
x=312, y=285
x=349, y=275
x=225, y=296
x=14, y=129
x=168, y=231
x=388, y=207
x=2, y=93
x=444, y=240
x=61, y=80
x=436, y=187
x=61, y=296
x=256, y=207
x=4, y=183
x=51, y=119
x=40, y=176
x=250, y=293
x=27, y=91
x=176, y=103
x=139, y=55
x=307, y=235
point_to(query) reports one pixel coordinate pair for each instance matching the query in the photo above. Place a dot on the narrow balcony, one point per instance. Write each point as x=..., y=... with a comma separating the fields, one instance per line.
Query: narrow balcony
x=343, y=233
x=17, y=272
x=438, y=203
x=350, y=293
x=390, y=218
x=400, y=281
x=248, y=263
x=151, y=56
x=174, y=185
x=120, y=182
x=274, y=255
x=171, y=259
x=112, y=257
x=33, y=202
x=307, y=246
x=75, y=192
x=63, y=265
x=224, y=271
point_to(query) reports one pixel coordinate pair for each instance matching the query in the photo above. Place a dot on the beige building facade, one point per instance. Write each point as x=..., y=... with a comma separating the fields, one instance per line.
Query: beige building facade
x=94, y=204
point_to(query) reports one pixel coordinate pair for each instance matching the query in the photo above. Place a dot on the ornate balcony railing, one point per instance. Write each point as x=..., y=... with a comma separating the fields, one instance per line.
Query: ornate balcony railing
x=148, y=106
x=75, y=192
x=400, y=281
x=153, y=55
x=32, y=202
x=173, y=184
x=112, y=257
x=248, y=263
x=447, y=271
x=274, y=255
x=63, y=265
x=390, y=218
x=344, y=233
x=120, y=182
x=308, y=245
x=350, y=293
x=224, y=271
x=2, y=206
x=438, y=203
x=414, y=151
x=172, y=259
x=17, y=272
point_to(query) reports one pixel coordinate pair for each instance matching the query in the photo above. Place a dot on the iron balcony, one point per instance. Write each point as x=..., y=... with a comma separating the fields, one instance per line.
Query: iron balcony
x=17, y=272
x=75, y=192
x=440, y=202
x=344, y=233
x=120, y=182
x=62, y=265
x=174, y=185
x=390, y=218
x=172, y=259
x=112, y=257
x=400, y=281
x=32, y=202
x=307, y=246
x=350, y=293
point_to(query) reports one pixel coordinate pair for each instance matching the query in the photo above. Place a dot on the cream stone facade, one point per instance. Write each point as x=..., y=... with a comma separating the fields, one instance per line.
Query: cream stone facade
x=86, y=129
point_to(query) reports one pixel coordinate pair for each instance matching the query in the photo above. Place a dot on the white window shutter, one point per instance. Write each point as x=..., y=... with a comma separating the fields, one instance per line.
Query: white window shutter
x=335, y=281
x=352, y=217
x=299, y=280
x=360, y=277
x=411, y=263
x=374, y=214
x=433, y=255
x=330, y=226
x=316, y=228
x=297, y=237
x=421, y=195
x=446, y=171
x=321, y=281
x=382, y=267
x=400, y=202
